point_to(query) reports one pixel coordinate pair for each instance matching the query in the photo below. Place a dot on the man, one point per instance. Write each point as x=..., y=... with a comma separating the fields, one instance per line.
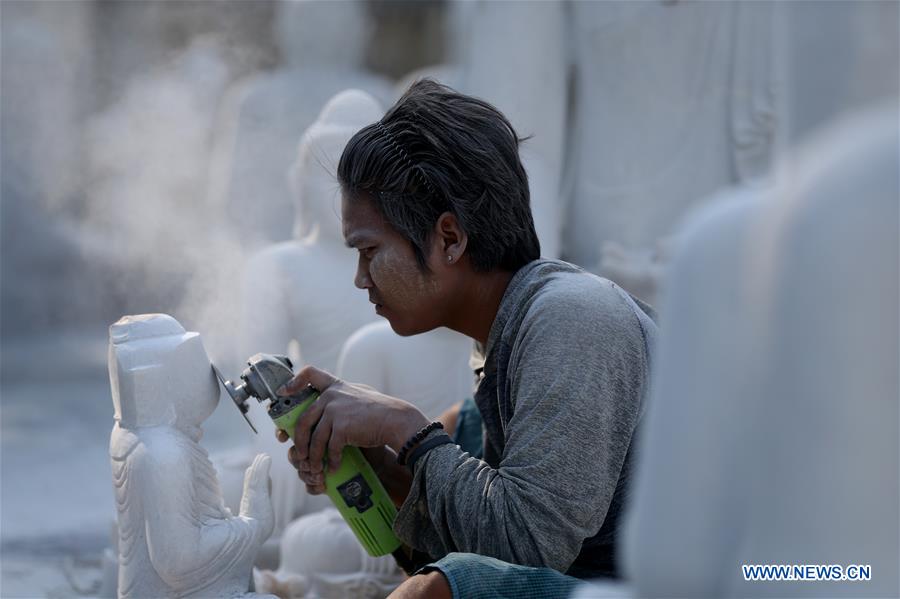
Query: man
x=435, y=200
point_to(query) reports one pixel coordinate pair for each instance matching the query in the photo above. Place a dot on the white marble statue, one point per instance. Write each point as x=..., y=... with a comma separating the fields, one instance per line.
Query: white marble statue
x=653, y=105
x=302, y=290
x=176, y=537
x=322, y=47
x=640, y=272
x=640, y=110
x=310, y=567
x=294, y=290
x=528, y=39
x=430, y=370
x=771, y=436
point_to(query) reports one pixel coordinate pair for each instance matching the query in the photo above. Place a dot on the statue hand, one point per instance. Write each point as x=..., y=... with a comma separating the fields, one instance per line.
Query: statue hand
x=256, y=502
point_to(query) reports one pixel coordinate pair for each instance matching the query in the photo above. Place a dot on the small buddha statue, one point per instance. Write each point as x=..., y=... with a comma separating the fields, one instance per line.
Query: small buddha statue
x=176, y=538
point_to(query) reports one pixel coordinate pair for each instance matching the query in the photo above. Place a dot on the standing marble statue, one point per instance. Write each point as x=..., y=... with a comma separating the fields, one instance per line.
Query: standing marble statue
x=781, y=339
x=176, y=537
x=302, y=290
x=528, y=39
x=322, y=47
x=638, y=110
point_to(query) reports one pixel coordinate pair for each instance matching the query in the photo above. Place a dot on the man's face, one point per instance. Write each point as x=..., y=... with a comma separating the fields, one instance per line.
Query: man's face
x=412, y=301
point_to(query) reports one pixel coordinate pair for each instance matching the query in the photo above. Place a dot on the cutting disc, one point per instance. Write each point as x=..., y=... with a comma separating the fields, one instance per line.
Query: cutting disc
x=238, y=396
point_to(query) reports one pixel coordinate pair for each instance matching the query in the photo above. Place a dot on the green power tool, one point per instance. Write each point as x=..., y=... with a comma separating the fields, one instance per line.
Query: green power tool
x=354, y=488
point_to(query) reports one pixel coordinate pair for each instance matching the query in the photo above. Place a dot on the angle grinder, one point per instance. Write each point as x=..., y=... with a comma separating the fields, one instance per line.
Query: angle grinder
x=354, y=488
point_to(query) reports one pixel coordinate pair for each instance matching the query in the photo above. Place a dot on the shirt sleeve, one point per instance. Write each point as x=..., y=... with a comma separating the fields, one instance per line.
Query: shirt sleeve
x=577, y=373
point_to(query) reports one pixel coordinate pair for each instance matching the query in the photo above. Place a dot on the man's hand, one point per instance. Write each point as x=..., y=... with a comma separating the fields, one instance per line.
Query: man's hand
x=432, y=585
x=344, y=414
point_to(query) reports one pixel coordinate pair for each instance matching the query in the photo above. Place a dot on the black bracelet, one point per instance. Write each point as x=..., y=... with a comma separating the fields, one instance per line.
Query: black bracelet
x=423, y=448
x=415, y=440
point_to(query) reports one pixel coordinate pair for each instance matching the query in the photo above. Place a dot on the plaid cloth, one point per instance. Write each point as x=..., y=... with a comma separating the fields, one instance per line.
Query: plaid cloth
x=474, y=576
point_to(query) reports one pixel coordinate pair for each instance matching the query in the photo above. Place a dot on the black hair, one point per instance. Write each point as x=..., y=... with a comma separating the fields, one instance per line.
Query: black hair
x=437, y=151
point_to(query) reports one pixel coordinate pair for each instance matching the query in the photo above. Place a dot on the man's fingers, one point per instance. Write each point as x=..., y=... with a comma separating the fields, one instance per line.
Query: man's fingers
x=315, y=483
x=304, y=428
x=281, y=435
x=292, y=457
x=335, y=449
x=314, y=480
x=315, y=489
x=318, y=443
x=308, y=375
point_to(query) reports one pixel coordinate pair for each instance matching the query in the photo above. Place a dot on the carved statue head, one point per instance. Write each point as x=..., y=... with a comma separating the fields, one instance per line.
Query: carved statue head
x=320, y=557
x=312, y=179
x=159, y=373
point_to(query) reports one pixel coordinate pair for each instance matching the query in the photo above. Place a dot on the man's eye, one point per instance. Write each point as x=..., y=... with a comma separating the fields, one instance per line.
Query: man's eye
x=367, y=251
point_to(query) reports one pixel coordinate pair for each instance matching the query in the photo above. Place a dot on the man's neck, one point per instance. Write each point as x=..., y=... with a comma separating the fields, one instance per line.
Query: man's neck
x=479, y=303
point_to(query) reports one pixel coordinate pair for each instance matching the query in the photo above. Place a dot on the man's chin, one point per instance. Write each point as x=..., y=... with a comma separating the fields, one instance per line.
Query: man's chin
x=404, y=329
x=399, y=328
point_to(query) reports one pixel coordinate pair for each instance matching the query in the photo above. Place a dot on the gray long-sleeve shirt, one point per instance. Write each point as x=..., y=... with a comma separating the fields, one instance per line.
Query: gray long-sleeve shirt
x=566, y=369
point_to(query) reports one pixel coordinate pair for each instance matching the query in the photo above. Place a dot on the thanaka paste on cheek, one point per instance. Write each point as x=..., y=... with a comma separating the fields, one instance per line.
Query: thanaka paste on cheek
x=398, y=281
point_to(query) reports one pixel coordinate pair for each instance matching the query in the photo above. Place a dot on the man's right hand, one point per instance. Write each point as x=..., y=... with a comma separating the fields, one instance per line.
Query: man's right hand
x=395, y=478
x=315, y=483
x=344, y=414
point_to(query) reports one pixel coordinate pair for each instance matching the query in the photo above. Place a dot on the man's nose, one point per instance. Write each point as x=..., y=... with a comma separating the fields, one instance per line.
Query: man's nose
x=362, y=279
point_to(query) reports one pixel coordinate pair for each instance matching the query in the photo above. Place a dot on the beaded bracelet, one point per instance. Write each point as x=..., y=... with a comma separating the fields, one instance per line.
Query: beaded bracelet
x=422, y=448
x=415, y=440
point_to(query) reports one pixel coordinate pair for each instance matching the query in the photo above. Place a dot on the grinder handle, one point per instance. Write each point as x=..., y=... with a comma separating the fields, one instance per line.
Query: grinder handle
x=354, y=489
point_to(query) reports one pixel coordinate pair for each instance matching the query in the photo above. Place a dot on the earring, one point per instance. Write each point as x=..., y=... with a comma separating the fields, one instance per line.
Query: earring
x=449, y=258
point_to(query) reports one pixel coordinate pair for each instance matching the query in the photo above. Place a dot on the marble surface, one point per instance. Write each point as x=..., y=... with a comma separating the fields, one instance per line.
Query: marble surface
x=175, y=535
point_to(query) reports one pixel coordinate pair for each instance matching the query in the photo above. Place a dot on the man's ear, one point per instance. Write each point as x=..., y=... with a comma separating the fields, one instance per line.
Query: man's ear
x=450, y=239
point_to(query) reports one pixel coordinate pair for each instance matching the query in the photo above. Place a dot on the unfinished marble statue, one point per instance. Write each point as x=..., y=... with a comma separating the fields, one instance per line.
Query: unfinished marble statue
x=652, y=126
x=430, y=370
x=303, y=289
x=322, y=46
x=640, y=272
x=321, y=558
x=309, y=280
x=781, y=316
x=176, y=537
x=667, y=102
x=526, y=38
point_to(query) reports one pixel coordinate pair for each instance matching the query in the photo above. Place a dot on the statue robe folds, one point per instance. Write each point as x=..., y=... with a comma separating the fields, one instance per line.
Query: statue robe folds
x=176, y=537
x=176, y=519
